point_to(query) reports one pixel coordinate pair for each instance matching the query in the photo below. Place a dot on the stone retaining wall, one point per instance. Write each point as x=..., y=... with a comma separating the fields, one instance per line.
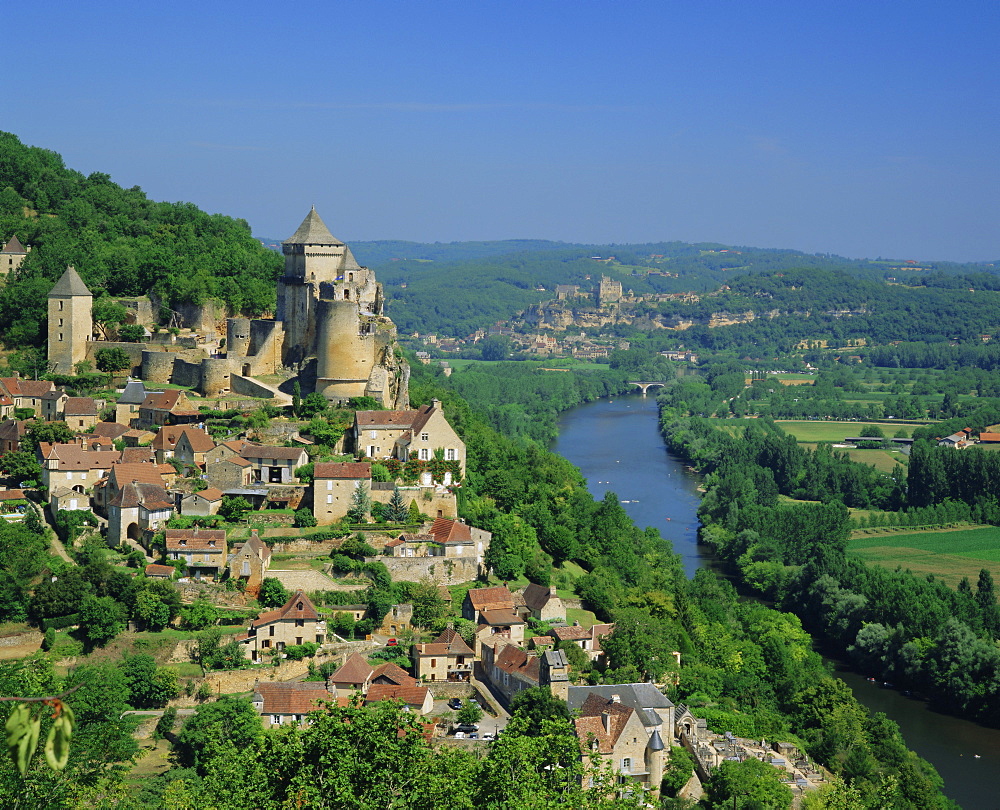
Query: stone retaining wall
x=21, y=639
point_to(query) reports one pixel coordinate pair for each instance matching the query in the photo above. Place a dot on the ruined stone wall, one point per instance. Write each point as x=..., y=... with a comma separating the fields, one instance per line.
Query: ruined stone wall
x=440, y=570
x=133, y=350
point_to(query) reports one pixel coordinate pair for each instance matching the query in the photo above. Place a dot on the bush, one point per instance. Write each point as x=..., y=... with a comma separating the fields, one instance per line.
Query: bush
x=303, y=518
x=165, y=724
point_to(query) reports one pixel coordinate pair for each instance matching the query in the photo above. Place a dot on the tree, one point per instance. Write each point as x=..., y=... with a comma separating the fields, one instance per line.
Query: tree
x=48, y=432
x=111, y=360
x=304, y=518
x=21, y=466
x=679, y=769
x=101, y=618
x=536, y=706
x=149, y=686
x=234, y=508
x=107, y=314
x=748, y=784
x=361, y=504
x=131, y=333
x=429, y=609
x=396, y=510
x=272, y=593
x=314, y=404
x=225, y=722
x=201, y=613
x=469, y=713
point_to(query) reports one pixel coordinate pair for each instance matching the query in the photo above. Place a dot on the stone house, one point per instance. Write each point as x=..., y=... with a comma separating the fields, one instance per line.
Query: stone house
x=493, y=610
x=73, y=466
x=26, y=393
x=334, y=486
x=587, y=639
x=123, y=473
x=165, y=443
x=357, y=612
x=80, y=413
x=398, y=620
x=447, y=658
x=274, y=465
x=510, y=669
x=52, y=405
x=297, y=621
x=62, y=498
x=229, y=474
x=281, y=702
x=653, y=709
x=543, y=603
x=11, y=433
x=418, y=699
x=444, y=538
x=109, y=430
x=158, y=571
x=614, y=733
x=204, y=550
x=225, y=450
x=407, y=434
x=131, y=399
x=203, y=503
x=357, y=675
x=166, y=408
x=137, y=512
x=249, y=561
x=192, y=446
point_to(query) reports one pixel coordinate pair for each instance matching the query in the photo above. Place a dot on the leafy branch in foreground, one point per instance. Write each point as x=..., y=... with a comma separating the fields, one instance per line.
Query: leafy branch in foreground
x=24, y=727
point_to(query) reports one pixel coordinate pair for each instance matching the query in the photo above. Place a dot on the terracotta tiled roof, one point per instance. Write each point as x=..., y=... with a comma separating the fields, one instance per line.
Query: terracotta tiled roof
x=410, y=695
x=198, y=439
x=496, y=598
x=13, y=430
x=453, y=642
x=208, y=540
x=385, y=419
x=237, y=460
x=350, y=469
x=446, y=530
x=289, y=611
x=13, y=246
x=138, y=455
x=111, y=430
x=290, y=698
x=70, y=457
x=989, y=437
x=11, y=495
x=570, y=633
x=166, y=437
x=391, y=673
x=35, y=388
x=356, y=670
x=80, y=406
x=210, y=494
x=500, y=618
x=591, y=728
x=143, y=473
x=513, y=660
x=537, y=596
x=264, y=451
x=149, y=496
x=155, y=570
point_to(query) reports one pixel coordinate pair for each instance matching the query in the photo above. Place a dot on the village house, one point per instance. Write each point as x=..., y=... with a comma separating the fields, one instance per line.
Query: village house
x=274, y=465
x=11, y=433
x=137, y=512
x=6, y=407
x=52, y=405
x=295, y=622
x=248, y=562
x=587, y=639
x=203, y=550
x=407, y=434
x=64, y=498
x=398, y=620
x=73, y=466
x=614, y=733
x=131, y=399
x=357, y=675
x=416, y=699
x=447, y=658
x=356, y=612
x=192, y=446
x=166, y=408
x=282, y=703
x=225, y=450
x=494, y=612
x=334, y=485
x=543, y=603
x=11, y=256
x=80, y=413
x=159, y=571
x=109, y=430
x=203, y=503
x=654, y=710
x=122, y=473
x=26, y=393
x=230, y=475
x=511, y=669
x=165, y=443
x=444, y=538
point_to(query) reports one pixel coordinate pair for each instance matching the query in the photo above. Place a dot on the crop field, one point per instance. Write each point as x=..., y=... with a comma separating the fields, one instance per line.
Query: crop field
x=882, y=460
x=949, y=554
x=817, y=431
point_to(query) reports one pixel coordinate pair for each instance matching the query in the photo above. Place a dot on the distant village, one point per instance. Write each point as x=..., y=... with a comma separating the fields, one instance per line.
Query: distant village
x=156, y=471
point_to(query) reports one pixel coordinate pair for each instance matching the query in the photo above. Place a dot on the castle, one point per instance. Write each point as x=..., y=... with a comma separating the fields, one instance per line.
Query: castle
x=329, y=322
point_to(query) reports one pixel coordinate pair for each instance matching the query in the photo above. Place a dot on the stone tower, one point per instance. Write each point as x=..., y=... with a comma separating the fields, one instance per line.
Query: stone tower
x=70, y=322
x=12, y=255
x=313, y=257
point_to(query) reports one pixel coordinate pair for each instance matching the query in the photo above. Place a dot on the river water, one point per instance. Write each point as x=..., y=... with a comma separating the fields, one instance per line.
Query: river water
x=617, y=446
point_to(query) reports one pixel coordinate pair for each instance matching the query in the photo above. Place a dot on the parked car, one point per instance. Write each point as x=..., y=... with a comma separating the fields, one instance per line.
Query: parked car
x=391, y=643
x=455, y=703
x=467, y=728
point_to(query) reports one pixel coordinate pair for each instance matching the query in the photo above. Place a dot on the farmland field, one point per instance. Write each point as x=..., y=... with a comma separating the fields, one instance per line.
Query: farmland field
x=882, y=460
x=949, y=554
x=816, y=431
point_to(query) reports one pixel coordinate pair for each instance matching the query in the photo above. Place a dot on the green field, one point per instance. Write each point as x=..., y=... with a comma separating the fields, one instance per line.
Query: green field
x=882, y=460
x=817, y=431
x=949, y=554
x=553, y=363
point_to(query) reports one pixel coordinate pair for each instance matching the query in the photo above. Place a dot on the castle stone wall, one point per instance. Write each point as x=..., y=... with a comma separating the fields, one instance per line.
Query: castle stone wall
x=440, y=570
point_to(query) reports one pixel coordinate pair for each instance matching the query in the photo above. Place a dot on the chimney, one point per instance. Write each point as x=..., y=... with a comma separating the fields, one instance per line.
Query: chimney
x=616, y=698
x=606, y=719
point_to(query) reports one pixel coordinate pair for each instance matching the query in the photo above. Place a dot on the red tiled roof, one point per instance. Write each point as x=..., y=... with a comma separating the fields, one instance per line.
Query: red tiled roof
x=210, y=494
x=410, y=695
x=348, y=469
x=208, y=540
x=166, y=437
x=570, y=633
x=138, y=455
x=11, y=494
x=513, y=660
x=277, y=453
x=496, y=598
x=500, y=618
x=75, y=457
x=143, y=473
x=162, y=400
x=291, y=698
x=289, y=611
x=393, y=674
x=537, y=596
x=355, y=670
x=156, y=570
x=80, y=406
x=112, y=430
x=198, y=439
x=35, y=388
x=446, y=530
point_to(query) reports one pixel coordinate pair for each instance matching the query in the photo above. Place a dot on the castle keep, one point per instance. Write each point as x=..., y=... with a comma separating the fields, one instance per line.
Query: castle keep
x=329, y=319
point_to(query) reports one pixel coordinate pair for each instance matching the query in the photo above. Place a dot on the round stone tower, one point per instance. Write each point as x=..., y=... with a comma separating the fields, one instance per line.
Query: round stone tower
x=238, y=337
x=345, y=354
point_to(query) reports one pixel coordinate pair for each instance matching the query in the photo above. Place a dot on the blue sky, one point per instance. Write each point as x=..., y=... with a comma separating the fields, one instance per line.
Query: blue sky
x=858, y=128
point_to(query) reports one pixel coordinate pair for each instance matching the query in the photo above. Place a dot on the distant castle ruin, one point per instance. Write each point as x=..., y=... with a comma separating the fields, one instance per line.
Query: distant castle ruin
x=330, y=317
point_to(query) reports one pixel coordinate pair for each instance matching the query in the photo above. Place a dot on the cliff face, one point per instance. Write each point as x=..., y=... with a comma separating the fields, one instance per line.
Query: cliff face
x=557, y=316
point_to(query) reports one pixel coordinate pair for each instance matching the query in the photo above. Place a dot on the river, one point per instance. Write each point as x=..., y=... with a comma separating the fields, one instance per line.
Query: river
x=617, y=446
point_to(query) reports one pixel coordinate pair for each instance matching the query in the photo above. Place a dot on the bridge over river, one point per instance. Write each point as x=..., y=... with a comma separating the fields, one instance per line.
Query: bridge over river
x=645, y=386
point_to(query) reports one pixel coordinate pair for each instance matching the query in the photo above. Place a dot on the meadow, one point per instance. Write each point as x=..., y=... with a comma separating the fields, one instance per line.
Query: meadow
x=948, y=554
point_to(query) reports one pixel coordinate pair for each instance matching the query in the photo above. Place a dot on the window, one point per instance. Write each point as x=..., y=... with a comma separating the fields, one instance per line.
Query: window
x=425, y=454
x=329, y=484
x=300, y=623
x=60, y=309
x=451, y=454
x=373, y=434
x=275, y=719
x=329, y=498
x=433, y=662
x=266, y=643
x=424, y=437
x=271, y=630
x=627, y=764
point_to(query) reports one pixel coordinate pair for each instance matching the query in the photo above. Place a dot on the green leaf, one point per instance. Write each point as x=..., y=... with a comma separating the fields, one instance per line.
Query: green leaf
x=57, y=743
x=22, y=736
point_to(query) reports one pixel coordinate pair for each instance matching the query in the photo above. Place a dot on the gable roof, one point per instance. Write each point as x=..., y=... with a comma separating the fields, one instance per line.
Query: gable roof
x=208, y=540
x=165, y=401
x=346, y=469
x=265, y=451
x=210, y=494
x=446, y=530
x=312, y=231
x=157, y=570
x=35, y=388
x=495, y=598
x=515, y=661
x=392, y=674
x=299, y=697
x=13, y=430
x=289, y=611
x=591, y=728
x=645, y=698
x=166, y=437
x=409, y=695
x=149, y=496
x=73, y=457
x=69, y=284
x=138, y=455
x=385, y=419
x=355, y=669
x=109, y=430
x=141, y=472
x=80, y=406
x=537, y=596
x=198, y=440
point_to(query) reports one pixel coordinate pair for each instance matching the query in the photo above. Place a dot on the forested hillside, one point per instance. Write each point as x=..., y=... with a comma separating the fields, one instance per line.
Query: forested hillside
x=120, y=242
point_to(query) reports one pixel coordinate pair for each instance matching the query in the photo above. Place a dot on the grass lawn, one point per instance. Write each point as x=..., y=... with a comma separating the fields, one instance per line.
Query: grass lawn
x=817, y=431
x=883, y=460
x=949, y=554
x=585, y=617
